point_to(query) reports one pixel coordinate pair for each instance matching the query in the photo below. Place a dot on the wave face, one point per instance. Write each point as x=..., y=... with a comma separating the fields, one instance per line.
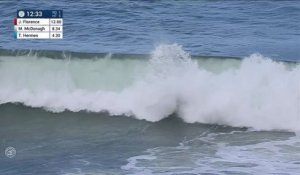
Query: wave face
x=253, y=92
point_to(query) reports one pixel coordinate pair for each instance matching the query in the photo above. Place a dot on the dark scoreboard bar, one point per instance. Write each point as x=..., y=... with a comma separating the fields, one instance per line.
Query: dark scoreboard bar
x=38, y=24
x=39, y=14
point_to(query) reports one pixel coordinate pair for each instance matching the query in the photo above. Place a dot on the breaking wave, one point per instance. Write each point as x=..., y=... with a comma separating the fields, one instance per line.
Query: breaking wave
x=254, y=92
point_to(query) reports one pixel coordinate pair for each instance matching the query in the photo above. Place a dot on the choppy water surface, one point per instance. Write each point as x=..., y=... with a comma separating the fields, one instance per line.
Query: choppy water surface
x=224, y=28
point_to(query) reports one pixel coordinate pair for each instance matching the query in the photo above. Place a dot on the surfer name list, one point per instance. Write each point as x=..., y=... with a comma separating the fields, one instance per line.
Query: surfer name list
x=38, y=24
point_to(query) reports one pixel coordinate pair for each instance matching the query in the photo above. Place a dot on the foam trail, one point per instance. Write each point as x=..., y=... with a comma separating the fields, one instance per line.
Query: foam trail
x=259, y=93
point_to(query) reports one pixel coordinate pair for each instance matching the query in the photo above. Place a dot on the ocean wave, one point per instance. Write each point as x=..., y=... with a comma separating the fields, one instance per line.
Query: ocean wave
x=254, y=92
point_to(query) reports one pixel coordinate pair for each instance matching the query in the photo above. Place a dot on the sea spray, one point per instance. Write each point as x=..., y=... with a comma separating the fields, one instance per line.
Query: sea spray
x=259, y=93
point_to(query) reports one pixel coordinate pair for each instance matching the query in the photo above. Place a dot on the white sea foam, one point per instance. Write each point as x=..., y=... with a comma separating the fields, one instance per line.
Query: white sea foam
x=257, y=93
x=216, y=155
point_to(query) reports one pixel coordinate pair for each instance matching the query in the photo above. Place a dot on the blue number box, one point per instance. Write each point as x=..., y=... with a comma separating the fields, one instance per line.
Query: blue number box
x=39, y=13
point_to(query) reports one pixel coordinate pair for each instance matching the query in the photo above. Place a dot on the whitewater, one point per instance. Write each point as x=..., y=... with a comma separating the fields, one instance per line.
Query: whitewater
x=255, y=92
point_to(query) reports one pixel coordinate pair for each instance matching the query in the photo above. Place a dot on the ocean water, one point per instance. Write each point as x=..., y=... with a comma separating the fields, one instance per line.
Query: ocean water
x=217, y=28
x=153, y=87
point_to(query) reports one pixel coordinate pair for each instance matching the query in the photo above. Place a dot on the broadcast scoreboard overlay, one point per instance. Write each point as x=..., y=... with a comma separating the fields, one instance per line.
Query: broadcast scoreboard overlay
x=38, y=24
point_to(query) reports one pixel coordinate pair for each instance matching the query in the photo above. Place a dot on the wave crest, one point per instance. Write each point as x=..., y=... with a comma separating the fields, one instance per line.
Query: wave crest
x=258, y=93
